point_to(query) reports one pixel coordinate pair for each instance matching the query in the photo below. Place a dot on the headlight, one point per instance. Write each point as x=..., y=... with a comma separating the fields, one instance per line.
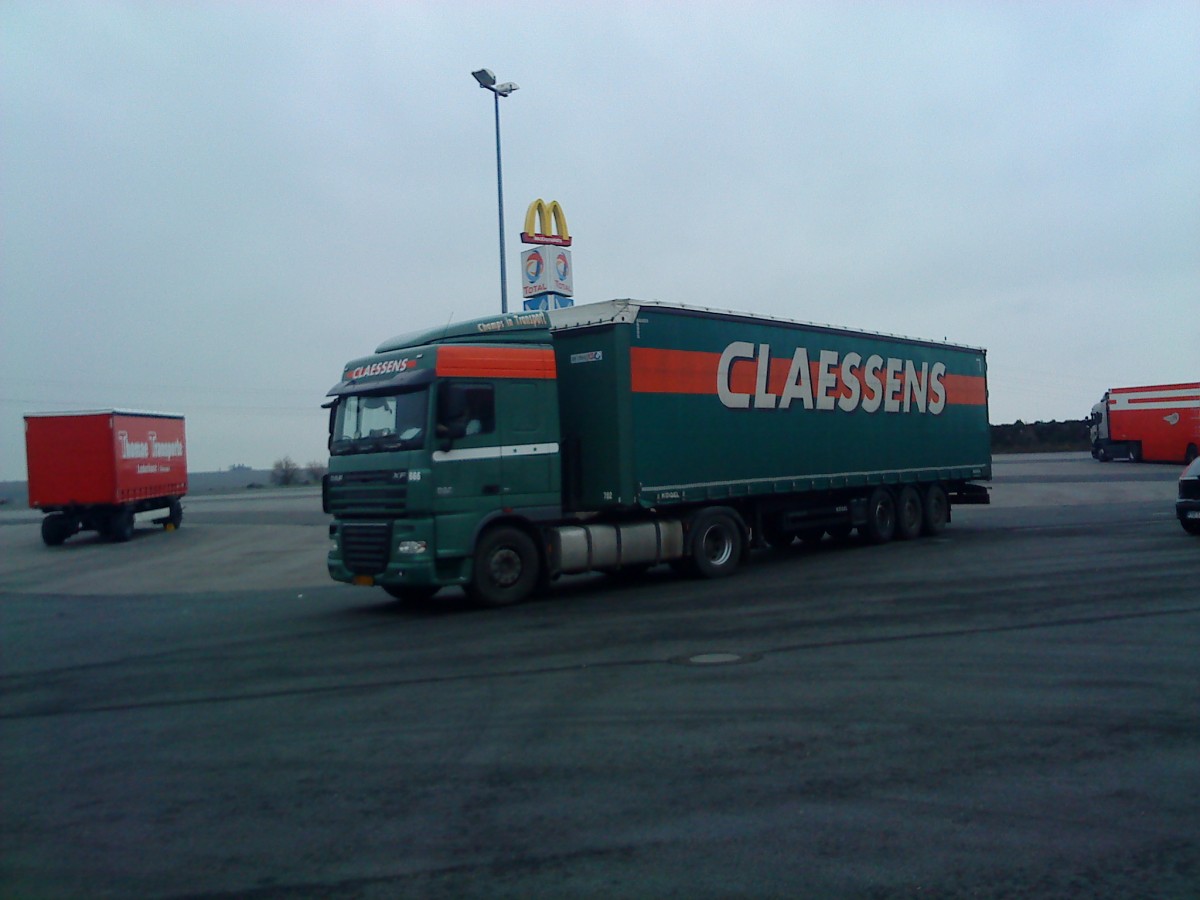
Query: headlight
x=411, y=547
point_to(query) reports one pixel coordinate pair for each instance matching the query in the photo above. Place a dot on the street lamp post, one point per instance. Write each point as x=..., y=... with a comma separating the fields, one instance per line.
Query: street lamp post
x=487, y=80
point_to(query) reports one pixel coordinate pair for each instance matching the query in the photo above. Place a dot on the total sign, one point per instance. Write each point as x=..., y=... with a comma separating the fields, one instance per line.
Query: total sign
x=547, y=270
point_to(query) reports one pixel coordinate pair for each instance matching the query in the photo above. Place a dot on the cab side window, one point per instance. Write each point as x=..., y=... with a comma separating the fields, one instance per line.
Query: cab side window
x=465, y=410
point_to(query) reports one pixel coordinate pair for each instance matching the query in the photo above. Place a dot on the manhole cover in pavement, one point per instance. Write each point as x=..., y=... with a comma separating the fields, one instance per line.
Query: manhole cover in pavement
x=716, y=659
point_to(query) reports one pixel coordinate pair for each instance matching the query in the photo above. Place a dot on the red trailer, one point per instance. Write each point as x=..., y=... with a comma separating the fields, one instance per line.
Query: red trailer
x=1158, y=422
x=95, y=470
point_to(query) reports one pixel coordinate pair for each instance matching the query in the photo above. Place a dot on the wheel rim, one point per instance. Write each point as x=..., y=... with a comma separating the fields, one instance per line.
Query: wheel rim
x=718, y=545
x=505, y=567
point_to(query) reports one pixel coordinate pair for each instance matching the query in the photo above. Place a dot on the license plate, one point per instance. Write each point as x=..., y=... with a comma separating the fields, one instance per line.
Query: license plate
x=1193, y=514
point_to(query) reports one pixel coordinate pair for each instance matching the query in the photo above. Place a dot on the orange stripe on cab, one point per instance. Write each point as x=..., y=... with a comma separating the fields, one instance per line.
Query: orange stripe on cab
x=495, y=362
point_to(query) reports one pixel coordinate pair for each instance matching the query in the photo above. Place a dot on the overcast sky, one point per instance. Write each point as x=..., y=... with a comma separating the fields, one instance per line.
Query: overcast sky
x=208, y=207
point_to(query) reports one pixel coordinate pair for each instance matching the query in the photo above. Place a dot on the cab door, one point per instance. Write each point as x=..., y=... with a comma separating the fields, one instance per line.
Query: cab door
x=531, y=469
x=466, y=459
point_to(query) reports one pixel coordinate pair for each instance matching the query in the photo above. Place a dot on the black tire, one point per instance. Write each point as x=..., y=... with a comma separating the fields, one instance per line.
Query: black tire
x=1103, y=455
x=174, y=515
x=909, y=513
x=715, y=544
x=1190, y=455
x=936, y=507
x=880, y=526
x=120, y=525
x=411, y=596
x=1135, y=452
x=56, y=528
x=1191, y=526
x=506, y=568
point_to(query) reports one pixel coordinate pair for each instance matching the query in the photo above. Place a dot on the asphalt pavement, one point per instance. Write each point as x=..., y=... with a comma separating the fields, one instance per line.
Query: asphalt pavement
x=1009, y=710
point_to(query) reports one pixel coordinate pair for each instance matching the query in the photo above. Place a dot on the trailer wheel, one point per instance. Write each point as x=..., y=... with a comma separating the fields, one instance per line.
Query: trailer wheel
x=1190, y=456
x=937, y=510
x=506, y=568
x=56, y=528
x=1135, y=452
x=908, y=513
x=881, y=517
x=716, y=544
x=174, y=515
x=120, y=525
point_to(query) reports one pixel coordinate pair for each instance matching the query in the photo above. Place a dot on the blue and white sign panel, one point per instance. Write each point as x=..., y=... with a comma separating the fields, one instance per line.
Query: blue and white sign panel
x=547, y=270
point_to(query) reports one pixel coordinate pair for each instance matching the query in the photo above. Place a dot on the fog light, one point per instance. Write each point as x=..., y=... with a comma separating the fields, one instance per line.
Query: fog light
x=410, y=547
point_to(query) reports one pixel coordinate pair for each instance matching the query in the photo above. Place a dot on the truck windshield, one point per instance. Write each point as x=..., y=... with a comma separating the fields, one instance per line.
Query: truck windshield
x=379, y=422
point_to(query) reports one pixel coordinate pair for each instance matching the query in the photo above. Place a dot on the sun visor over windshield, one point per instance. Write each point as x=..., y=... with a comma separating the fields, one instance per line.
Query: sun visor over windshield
x=401, y=381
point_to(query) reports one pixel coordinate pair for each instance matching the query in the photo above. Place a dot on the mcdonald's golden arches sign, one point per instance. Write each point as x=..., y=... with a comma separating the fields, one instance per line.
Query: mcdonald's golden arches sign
x=548, y=215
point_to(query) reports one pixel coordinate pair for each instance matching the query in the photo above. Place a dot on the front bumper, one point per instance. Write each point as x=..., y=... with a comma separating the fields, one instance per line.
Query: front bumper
x=1187, y=510
x=396, y=553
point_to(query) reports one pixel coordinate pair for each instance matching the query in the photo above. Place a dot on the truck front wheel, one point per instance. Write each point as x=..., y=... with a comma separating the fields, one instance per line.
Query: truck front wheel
x=506, y=568
x=716, y=544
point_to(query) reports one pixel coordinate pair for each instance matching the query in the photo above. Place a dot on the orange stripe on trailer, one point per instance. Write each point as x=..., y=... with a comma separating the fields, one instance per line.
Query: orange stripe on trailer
x=654, y=371
x=495, y=362
x=965, y=390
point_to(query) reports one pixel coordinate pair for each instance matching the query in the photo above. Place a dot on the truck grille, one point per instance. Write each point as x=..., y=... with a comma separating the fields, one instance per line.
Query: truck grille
x=366, y=547
x=382, y=493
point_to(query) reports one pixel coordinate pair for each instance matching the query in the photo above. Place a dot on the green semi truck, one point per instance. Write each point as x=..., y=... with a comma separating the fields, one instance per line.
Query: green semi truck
x=500, y=453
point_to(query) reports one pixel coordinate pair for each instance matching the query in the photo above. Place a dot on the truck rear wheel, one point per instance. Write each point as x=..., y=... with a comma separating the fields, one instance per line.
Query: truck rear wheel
x=716, y=544
x=937, y=510
x=909, y=513
x=506, y=568
x=1190, y=455
x=56, y=528
x=174, y=515
x=881, y=517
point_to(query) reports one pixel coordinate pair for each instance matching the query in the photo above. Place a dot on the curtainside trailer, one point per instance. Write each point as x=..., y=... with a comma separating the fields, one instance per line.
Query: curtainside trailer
x=95, y=470
x=500, y=453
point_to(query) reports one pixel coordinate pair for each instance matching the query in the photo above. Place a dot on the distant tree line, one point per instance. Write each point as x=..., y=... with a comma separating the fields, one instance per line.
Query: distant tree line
x=1041, y=437
x=286, y=471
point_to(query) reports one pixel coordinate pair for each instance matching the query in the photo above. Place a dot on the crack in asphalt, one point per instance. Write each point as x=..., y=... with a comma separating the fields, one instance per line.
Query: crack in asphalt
x=536, y=671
